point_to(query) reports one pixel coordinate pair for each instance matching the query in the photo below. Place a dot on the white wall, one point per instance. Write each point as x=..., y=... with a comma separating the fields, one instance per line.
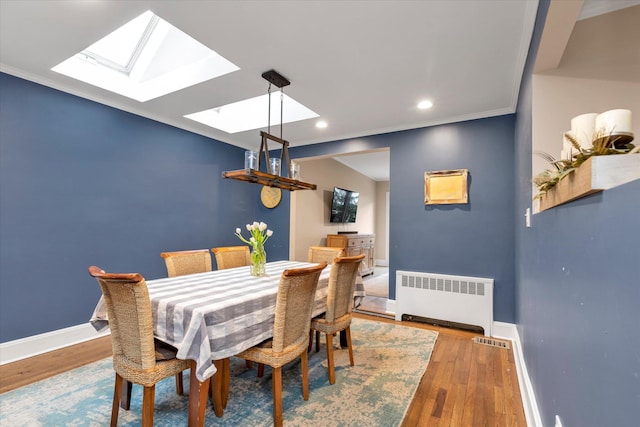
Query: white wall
x=556, y=100
x=382, y=188
x=310, y=209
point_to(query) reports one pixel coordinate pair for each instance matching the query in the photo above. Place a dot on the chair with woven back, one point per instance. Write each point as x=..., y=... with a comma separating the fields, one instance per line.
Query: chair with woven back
x=232, y=256
x=294, y=305
x=342, y=284
x=137, y=357
x=324, y=253
x=179, y=263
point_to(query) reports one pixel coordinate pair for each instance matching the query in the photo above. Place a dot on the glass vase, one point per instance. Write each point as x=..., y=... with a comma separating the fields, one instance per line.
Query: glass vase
x=258, y=261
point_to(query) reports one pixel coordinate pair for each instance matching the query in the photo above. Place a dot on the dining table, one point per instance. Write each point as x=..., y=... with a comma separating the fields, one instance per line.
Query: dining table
x=209, y=317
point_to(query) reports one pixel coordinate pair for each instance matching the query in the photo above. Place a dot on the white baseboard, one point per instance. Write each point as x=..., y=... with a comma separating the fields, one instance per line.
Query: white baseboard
x=12, y=351
x=510, y=332
x=382, y=262
x=391, y=305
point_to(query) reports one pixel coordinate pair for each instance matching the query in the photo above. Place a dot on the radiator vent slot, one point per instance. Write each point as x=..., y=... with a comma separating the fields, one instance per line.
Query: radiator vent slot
x=492, y=342
x=444, y=285
x=455, y=299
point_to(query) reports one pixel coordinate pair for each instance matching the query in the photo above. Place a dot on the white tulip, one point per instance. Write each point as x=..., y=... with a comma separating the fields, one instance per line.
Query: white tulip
x=252, y=240
x=249, y=227
x=262, y=226
x=269, y=233
x=255, y=225
x=238, y=230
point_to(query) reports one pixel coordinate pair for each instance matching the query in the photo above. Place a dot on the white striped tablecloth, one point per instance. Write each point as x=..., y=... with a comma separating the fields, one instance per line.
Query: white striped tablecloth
x=215, y=315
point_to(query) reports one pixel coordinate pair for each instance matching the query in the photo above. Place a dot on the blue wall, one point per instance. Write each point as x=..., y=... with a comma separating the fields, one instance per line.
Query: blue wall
x=475, y=239
x=578, y=293
x=82, y=183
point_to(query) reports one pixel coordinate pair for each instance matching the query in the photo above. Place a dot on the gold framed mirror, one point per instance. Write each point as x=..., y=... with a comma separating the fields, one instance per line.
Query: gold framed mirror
x=446, y=187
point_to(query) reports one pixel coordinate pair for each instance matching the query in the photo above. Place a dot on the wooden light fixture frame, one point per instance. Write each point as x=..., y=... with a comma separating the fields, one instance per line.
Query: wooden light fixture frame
x=264, y=178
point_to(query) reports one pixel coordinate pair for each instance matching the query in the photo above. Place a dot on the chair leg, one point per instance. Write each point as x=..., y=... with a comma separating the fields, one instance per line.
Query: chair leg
x=276, y=384
x=179, y=384
x=317, y=341
x=348, y=334
x=332, y=374
x=305, y=375
x=148, y=398
x=310, y=346
x=115, y=408
x=260, y=370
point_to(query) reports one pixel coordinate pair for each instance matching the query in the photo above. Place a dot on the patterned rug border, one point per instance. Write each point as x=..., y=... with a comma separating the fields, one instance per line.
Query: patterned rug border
x=390, y=360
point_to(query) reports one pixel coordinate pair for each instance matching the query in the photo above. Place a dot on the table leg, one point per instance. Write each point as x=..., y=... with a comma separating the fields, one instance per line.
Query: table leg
x=125, y=395
x=343, y=339
x=226, y=381
x=198, y=393
x=220, y=386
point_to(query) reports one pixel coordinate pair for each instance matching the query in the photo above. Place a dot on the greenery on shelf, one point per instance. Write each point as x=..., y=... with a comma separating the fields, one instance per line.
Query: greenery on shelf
x=602, y=146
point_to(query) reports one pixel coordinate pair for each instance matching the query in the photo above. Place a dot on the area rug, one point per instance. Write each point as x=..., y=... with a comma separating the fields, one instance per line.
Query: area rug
x=389, y=363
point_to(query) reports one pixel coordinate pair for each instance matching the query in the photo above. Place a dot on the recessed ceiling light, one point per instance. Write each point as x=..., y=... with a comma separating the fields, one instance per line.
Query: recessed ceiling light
x=423, y=105
x=144, y=59
x=321, y=124
x=252, y=113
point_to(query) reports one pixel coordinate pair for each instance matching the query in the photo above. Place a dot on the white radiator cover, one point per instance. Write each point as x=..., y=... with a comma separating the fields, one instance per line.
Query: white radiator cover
x=458, y=299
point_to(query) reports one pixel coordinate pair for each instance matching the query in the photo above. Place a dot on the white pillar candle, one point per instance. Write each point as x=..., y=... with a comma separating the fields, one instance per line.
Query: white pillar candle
x=614, y=122
x=583, y=129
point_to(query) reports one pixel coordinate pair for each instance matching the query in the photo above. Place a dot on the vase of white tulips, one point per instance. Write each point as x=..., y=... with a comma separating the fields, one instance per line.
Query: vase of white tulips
x=259, y=235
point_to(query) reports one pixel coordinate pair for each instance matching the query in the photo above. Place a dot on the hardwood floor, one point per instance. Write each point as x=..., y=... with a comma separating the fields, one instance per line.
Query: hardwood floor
x=466, y=384
x=27, y=371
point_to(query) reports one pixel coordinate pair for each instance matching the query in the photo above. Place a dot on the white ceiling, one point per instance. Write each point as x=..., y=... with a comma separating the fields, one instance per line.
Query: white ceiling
x=361, y=65
x=593, y=8
x=374, y=164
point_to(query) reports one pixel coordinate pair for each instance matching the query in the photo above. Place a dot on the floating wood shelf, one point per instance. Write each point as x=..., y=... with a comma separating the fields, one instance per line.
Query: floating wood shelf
x=596, y=174
x=257, y=177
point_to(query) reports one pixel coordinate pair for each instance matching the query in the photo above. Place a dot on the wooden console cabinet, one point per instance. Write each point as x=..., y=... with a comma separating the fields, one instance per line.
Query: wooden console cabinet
x=356, y=244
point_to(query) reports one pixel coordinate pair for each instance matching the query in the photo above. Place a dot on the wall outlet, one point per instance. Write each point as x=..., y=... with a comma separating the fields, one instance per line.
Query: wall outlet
x=558, y=422
x=527, y=217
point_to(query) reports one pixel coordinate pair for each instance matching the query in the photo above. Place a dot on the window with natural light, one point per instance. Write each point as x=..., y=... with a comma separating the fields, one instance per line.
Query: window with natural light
x=144, y=59
x=253, y=113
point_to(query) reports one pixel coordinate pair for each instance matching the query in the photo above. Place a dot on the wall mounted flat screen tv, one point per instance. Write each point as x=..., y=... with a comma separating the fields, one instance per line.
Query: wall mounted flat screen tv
x=344, y=205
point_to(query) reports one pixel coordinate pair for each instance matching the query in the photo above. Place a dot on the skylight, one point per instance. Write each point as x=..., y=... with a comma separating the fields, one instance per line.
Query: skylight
x=252, y=113
x=144, y=59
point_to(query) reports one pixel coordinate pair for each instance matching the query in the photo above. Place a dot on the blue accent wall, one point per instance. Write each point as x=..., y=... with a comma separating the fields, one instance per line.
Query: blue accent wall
x=474, y=239
x=85, y=184
x=578, y=292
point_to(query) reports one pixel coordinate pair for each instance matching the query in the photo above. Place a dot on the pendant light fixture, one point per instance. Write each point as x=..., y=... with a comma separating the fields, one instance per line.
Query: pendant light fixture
x=272, y=176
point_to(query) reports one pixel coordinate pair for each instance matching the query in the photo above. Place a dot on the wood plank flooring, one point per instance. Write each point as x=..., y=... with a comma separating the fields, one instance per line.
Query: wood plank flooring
x=466, y=384
x=27, y=371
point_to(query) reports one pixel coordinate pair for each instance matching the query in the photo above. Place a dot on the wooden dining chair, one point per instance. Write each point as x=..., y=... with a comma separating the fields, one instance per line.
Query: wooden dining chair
x=323, y=253
x=137, y=357
x=294, y=305
x=342, y=285
x=232, y=256
x=180, y=263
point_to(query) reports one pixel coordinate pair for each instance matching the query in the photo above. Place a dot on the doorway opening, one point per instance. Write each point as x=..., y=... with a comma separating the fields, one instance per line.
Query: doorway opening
x=366, y=172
